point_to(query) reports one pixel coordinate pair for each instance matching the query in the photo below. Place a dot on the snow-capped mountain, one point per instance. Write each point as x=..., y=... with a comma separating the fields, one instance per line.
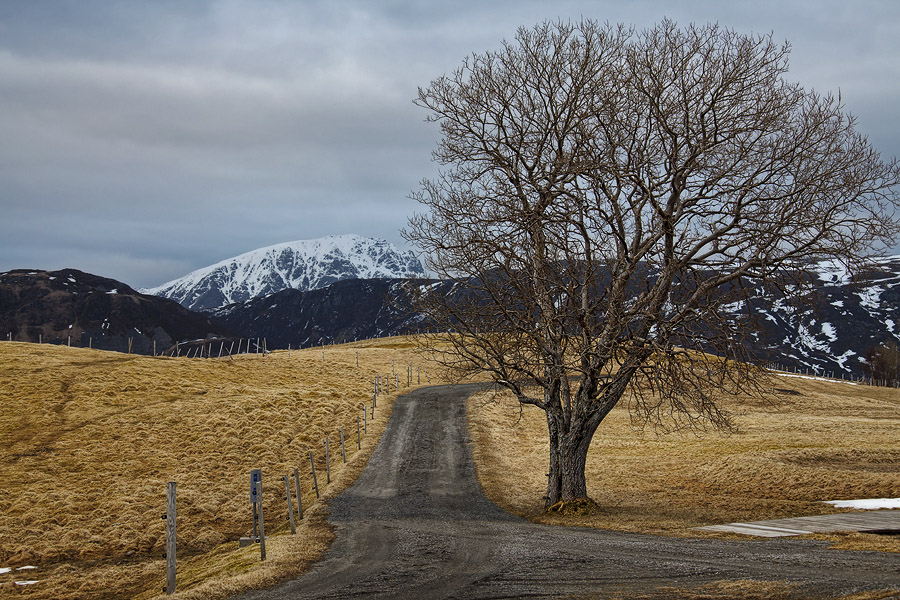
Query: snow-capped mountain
x=301, y=265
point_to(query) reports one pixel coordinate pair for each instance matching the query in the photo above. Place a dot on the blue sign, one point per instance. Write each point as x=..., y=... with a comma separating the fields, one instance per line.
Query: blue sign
x=255, y=477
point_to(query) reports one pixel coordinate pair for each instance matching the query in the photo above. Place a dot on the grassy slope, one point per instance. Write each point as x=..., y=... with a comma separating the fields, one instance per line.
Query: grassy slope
x=88, y=440
x=824, y=441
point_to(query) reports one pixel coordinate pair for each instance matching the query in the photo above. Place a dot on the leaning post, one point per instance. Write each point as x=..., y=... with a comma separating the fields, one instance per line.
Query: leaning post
x=170, y=538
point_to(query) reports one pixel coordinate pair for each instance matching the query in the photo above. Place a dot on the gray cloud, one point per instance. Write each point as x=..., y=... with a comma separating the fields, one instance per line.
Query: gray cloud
x=143, y=140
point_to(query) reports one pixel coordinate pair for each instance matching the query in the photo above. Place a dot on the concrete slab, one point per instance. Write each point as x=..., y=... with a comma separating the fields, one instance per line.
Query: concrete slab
x=872, y=520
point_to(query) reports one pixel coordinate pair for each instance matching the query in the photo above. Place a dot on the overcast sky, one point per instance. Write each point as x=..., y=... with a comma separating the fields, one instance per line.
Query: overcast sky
x=142, y=140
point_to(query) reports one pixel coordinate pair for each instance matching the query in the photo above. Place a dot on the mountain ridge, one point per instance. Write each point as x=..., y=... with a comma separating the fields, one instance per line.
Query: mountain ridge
x=72, y=307
x=302, y=265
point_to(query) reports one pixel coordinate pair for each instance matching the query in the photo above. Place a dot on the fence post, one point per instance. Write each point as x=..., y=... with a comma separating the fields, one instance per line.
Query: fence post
x=262, y=526
x=170, y=538
x=343, y=450
x=327, y=462
x=358, y=439
x=365, y=420
x=297, y=487
x=313, y=467
x=357, y=358
x=287, y=495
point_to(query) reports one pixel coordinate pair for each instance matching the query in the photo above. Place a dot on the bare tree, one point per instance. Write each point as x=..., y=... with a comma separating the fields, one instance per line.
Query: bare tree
x=605, y=192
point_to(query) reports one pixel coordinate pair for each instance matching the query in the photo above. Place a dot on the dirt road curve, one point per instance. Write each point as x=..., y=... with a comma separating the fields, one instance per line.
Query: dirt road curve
x=416, y=525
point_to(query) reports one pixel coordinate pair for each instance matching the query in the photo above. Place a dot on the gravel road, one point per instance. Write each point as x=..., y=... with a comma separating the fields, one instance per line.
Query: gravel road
x=416, y=525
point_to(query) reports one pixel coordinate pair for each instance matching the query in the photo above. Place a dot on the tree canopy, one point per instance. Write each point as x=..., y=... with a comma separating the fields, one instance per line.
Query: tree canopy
x=604, y=192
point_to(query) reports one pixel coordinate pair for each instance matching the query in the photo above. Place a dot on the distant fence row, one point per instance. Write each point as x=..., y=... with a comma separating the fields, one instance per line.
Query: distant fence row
x=836, y=375
x=201, y=348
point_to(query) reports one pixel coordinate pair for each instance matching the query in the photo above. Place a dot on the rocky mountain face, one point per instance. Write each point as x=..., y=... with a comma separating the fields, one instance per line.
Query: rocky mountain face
x=345, y=311
x=302, y=265
x=80, y=309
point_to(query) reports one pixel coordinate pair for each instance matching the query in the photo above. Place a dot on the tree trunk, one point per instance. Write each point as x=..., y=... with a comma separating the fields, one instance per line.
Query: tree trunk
x=554, y=475
x=569, y=444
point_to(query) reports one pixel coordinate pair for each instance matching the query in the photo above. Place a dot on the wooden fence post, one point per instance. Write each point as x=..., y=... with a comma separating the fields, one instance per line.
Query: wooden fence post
x=312, y=466
x=297, y=486
x=343, y=450
x=357, y=358
x=365, y=420
x=262, y=526
x=358, y=439
x=327, y=462
x=287, y=496
x=170, y=538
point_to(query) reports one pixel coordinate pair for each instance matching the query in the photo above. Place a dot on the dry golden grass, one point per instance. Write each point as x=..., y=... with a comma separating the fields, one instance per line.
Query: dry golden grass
x=88, y=440
x=822, y=441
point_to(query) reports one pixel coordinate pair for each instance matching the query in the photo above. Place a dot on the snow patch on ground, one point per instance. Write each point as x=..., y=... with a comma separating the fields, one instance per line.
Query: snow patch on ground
x=870, y=298
x=866, y=504
x=841, y=359
x=812, y=377
x=833, y=271
x=829, y=331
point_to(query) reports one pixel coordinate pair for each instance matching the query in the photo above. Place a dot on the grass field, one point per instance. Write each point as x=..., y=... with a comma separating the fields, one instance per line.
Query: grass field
x=822, y=440
x=88, y=440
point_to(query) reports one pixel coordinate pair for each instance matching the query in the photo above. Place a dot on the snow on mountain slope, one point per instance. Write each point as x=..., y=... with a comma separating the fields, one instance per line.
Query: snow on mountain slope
x=301, y=265
x=832, y=327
